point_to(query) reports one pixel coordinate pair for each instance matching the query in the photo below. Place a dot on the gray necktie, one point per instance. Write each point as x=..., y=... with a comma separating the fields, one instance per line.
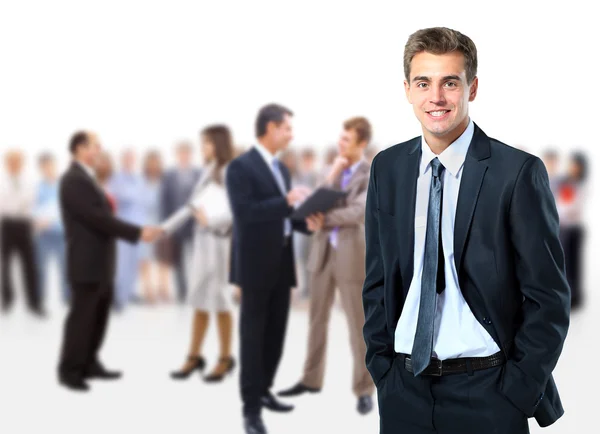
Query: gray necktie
x=430, y=280
x=287, y=225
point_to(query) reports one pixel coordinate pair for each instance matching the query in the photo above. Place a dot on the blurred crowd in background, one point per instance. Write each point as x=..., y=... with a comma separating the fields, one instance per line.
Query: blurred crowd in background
x=142, y=191
x=145, y=192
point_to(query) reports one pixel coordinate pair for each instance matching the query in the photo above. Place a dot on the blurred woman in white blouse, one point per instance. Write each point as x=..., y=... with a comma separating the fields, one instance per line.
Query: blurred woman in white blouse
x=570, y=201
x=210, y=290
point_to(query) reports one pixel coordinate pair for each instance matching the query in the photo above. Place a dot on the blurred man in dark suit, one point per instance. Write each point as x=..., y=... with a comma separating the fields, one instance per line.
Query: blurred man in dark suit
x=262, y=260
x=91, y=230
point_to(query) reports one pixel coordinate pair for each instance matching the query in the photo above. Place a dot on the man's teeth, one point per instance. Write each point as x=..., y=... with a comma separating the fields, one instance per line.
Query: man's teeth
x=438, y=113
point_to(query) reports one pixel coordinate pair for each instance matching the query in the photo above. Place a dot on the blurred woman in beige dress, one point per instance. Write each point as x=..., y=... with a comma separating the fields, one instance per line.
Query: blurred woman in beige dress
x=210, y=290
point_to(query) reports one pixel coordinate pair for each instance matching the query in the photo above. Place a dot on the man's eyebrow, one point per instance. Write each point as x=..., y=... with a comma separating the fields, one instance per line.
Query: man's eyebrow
x=445, y=78
x=451, y=77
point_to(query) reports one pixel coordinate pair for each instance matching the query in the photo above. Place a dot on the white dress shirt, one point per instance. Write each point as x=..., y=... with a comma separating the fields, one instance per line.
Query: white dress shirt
x=457, y=333
x=570, y=207
x=270, y=160
x=17, y=198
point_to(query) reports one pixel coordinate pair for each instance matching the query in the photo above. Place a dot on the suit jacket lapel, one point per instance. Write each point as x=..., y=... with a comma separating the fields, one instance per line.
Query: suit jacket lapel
x=472, y=178
x=264, y=171
x=363, y=168
x=406, y=195
x=77, y=168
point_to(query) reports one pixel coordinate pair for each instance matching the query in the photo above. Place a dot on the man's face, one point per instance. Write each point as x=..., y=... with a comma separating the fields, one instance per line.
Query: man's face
x=48, y=169
x=14, y=163
x=349, y=147
x=551, y=164
x=307, y=163
x=184, y=156
x=282, y=133
x=439, y=92
x=128, y=161
x=93, y=149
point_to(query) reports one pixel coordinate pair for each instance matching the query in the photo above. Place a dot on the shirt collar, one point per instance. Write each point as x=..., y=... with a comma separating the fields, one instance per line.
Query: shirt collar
x=266, y=154
x=453, y=156
x=353, y=168
x=87, y=169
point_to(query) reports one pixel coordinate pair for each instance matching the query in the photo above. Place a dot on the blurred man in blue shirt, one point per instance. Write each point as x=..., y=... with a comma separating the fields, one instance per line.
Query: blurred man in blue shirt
x=50, y=241
x=127, y=186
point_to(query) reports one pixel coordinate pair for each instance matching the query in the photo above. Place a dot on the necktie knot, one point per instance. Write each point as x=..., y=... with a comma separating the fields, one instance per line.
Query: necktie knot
x=437, y=167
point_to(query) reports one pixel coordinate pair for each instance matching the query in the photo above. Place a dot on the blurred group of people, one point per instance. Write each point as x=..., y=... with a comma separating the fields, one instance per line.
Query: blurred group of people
x=569, y=185
x=146, y=194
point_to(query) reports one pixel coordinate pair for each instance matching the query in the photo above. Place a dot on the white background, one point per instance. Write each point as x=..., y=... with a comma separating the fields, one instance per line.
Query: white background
x=147, y=73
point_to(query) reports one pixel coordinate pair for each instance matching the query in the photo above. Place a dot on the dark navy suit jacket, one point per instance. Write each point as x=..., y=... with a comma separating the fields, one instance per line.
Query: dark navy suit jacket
x=508, y=257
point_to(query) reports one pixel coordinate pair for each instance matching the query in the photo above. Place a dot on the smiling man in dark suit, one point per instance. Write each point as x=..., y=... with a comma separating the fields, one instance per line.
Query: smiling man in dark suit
x=465, y=297
x=91, y=231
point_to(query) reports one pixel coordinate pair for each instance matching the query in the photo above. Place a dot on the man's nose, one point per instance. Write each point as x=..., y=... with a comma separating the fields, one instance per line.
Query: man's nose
x=437, y=95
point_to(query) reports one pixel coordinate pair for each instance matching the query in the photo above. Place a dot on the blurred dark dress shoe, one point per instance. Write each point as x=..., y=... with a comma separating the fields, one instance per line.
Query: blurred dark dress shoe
x=39, y=313
x=297, y=390
x=365, y=404
x=74, y=384
x=268, y=401
x=100, y=373
x=253, y=424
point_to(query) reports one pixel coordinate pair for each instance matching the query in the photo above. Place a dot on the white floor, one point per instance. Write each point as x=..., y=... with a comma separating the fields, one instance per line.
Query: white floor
x=148, y=342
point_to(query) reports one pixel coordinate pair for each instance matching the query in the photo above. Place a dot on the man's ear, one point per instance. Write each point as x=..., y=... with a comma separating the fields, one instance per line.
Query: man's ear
x=473, y=89
x=407, y=90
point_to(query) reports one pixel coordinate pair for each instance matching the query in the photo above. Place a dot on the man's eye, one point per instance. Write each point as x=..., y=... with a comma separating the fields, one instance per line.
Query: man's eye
x=451, y=84
x=421, y=85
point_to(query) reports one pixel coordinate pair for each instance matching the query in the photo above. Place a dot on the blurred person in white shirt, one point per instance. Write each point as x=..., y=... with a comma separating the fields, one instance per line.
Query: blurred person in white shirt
x=16, y=233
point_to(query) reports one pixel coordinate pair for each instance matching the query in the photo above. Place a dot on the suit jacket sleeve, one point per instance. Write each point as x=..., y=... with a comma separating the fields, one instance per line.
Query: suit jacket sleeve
x=78, y=199
x=352, y=214
x=380, y=347
x=244, y=206
x=546, y=295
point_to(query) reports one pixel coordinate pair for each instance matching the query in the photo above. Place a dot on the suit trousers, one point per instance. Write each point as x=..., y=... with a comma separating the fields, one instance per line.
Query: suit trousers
x=451, y=404
x=323, y=287
x=17, y=238
x=263, y=322
x=85, y=328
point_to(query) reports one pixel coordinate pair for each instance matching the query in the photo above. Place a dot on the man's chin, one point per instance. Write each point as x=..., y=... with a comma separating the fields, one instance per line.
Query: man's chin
x=438, y=131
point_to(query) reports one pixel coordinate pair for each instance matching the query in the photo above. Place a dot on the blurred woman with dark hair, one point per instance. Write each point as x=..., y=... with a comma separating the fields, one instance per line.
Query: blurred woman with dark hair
x=212, y=243
x=570, y=203
x=152, y=178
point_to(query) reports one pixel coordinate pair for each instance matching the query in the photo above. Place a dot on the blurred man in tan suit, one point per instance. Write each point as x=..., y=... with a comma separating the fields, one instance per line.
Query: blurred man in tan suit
x=337, y=260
